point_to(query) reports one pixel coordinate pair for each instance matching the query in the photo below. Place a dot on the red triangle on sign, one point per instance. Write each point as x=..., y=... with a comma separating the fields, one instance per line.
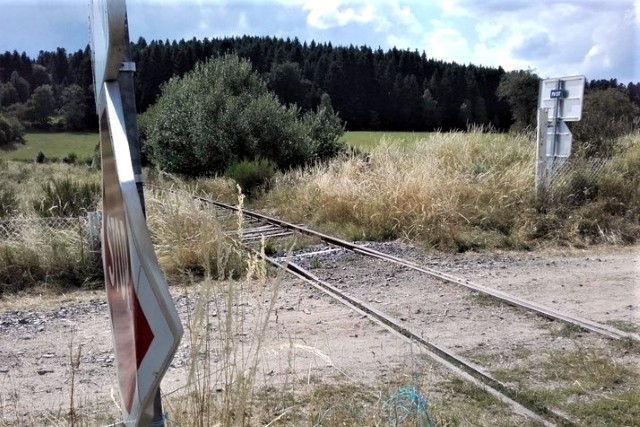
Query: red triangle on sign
x=143, y=332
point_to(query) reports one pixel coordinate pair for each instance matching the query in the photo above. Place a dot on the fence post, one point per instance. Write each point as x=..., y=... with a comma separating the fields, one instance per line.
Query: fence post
x=94, y=226
x=541, y=154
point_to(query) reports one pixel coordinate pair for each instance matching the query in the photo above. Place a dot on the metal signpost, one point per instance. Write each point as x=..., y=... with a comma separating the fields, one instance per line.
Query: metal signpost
x=145, y=325
x=559, y=101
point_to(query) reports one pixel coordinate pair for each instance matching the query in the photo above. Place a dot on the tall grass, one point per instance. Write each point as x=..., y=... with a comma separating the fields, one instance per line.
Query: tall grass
x=30, y=179
x=457, y=192
x=188, y=239
x=442, y=190
x=223, y=363
x=66, y=197
x=44, y=256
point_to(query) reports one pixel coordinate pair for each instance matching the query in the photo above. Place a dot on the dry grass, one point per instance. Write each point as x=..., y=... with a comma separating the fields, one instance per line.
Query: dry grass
x=441, y=190
x=219, y=188
x=44, y=257
x=28, y=179
x=223, y=362
x=451, y=191
x=188, y=238
x=458, y=192
x=587, y=383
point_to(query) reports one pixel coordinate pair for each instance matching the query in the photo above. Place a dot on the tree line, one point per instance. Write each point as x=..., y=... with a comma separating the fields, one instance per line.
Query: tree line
x=370, y=89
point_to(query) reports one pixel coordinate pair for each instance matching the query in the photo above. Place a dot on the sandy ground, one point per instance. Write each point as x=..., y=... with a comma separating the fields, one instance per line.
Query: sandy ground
x=311, y=337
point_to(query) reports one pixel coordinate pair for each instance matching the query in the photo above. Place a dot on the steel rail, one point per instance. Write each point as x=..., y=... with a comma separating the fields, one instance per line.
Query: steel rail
x=440, y=354
x=541, y=310
x=457, y=364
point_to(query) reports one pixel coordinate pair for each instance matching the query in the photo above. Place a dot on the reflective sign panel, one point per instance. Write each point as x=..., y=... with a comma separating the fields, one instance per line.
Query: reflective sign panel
x=560, y=146
x=566, y=93
x=145, y=325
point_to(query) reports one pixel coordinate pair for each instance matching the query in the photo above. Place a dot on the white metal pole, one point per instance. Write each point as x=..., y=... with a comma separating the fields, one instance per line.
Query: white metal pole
x=541, y=153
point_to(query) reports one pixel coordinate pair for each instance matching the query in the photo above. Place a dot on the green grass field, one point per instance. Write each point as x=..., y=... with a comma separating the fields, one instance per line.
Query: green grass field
x=53, y=145
x=366, y=140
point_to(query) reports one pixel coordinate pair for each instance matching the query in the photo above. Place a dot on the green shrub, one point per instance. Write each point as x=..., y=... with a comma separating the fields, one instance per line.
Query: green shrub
x=325, y=130
x=221, y=113
x=619, y=181
x=253, y=175
x=11, y=130
x=40, y=157
x=70, y=158
x=67, y=198
x=608, y=115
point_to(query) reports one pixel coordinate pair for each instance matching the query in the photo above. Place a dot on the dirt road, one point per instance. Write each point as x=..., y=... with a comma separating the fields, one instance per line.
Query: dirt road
x=56, y=347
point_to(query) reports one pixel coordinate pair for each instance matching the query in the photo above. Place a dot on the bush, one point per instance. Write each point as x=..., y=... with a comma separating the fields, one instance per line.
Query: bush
x=11, y=130
x=40, y=157
x=325, y=130
x=67, y=198
x=252, y=176
x=619, y=182
x=70, y=158
x=221, y=113
x=608, y=115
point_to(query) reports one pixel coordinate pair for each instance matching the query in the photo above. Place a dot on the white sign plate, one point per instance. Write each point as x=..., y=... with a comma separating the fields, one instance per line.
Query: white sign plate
x=562, y=146
x=567, y=93
x=145, y=325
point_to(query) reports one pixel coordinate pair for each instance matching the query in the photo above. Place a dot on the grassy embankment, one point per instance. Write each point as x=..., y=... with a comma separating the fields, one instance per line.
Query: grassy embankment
x=455, y=191
x=448, y=191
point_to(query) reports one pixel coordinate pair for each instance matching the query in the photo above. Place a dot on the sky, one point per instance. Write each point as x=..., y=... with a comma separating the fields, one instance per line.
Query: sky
x=597, y=38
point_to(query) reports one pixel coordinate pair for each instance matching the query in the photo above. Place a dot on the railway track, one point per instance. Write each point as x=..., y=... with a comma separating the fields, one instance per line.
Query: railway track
x=263, y=225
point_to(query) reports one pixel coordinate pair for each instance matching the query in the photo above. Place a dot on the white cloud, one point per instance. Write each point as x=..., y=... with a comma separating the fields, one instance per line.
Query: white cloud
x=591, y=37
x=448, y=44
x=325, y=14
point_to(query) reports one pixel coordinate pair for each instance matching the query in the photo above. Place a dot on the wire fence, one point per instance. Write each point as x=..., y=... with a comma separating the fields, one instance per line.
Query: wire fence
x=574, y=181
x=85, y=229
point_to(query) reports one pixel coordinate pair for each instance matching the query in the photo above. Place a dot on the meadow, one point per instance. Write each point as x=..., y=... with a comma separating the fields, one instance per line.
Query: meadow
x=55, y=146
x=367, y=140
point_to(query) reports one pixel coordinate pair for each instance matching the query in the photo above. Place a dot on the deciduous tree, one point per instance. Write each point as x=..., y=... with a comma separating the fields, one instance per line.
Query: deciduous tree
x=520, y=90
x=41, y=106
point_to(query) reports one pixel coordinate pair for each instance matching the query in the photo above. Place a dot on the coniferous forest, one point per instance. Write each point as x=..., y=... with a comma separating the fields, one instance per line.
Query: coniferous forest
x=371, y=89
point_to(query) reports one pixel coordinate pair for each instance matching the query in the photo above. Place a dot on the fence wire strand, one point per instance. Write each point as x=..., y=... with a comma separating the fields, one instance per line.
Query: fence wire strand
x=575, y=180
x=21, y=229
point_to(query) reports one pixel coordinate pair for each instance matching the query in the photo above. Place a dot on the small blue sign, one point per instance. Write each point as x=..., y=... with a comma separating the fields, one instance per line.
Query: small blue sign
x=557, y=93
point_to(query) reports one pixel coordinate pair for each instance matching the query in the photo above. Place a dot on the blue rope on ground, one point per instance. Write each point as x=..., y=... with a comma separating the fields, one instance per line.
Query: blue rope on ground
x=407, y=401
x=158, y=423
